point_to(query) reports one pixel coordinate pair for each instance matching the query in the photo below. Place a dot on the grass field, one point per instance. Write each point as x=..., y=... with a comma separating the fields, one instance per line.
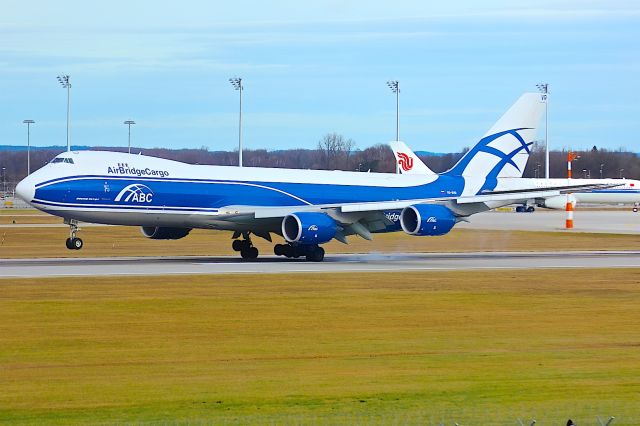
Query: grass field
x=17, y=242
x=480, y=348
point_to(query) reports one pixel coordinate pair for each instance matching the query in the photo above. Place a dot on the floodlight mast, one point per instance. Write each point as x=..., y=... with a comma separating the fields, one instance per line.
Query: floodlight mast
x=544, y=89
x=129, y=123
x=394, y=85
x=65, y=82
x=236, y=82
x=28, y=123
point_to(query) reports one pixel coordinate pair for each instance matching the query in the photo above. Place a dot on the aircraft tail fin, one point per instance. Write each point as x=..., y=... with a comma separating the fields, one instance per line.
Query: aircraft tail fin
x=504, y=150
x=408, y=162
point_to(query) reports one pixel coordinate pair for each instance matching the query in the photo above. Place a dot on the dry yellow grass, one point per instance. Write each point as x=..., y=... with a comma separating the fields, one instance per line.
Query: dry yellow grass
x=476, y=348
x=128, y=241
x=27, y=219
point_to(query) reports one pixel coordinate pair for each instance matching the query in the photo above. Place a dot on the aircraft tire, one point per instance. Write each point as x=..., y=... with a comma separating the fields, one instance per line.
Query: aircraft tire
x=288, y=250
x=279, y=250
x=249, y=253
x=68, y=244
x=238, y=245
x=531, y=209
x=76, y=243
x=316, y=255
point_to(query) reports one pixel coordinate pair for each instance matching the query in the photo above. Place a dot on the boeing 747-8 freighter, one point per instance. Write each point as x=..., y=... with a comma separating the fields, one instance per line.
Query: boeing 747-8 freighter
x=307, y=208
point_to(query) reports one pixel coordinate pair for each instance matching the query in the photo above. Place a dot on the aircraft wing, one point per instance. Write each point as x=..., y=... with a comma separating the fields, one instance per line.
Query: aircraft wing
x=507, y=196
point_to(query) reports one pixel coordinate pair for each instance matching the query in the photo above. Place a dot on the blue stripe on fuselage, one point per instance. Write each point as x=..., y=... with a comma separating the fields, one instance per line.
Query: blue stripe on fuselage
x=208, y=194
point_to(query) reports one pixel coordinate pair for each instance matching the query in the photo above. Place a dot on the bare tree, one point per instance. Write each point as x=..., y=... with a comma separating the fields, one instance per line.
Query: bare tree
x=335, y=151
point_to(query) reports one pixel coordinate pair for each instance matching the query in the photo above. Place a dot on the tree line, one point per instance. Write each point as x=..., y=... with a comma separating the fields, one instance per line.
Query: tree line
x=335, y=152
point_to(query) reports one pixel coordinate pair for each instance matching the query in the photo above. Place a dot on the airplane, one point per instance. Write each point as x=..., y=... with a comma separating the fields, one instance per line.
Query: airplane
x=307, y=208
x=613, y=191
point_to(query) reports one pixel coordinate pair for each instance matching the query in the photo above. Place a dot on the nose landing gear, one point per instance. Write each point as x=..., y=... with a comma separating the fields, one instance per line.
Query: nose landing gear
x=73, y=242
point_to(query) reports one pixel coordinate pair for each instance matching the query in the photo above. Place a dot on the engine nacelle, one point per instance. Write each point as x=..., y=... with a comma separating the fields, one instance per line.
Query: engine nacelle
x=427, y=220
x=161, y=233
x=559, y=202
x=308, y=228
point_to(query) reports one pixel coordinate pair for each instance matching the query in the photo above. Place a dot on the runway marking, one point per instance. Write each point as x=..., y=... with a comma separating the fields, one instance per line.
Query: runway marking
x=318, y=271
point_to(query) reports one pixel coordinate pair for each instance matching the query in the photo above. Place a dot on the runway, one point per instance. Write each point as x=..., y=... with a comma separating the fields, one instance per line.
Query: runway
x=373, y=262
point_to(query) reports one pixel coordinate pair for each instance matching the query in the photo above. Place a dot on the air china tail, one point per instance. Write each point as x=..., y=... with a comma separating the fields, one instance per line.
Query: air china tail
x=306, y=208
x=408, y=161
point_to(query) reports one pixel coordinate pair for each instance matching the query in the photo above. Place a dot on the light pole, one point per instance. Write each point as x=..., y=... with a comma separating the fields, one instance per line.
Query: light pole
x=621, y=173
x=601, y=167
x=237, y=84
x=544, y=89
x=129, y=123
x=66, y=83
x=4, y=181
x=394, y=85
x=537, y=170
x=28, y=123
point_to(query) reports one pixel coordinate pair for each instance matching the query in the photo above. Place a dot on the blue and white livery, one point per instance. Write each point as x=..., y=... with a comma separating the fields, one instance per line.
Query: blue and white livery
x=501, y=156
x=305, y=207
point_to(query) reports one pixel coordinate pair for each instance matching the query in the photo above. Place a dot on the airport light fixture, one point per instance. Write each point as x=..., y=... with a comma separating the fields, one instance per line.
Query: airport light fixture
x=236, y=82
x=28, y=123
x=601, y=168
x=537, y=170
x=544, y=89
x=394, y=85
x=621, y=173
x=65, y=82
x=129, y=123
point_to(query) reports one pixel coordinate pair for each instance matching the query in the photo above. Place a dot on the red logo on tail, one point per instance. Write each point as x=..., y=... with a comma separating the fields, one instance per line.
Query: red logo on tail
x=405, y=161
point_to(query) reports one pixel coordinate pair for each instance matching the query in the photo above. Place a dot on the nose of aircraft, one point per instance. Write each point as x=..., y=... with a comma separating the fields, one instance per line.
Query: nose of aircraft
x=26, y=189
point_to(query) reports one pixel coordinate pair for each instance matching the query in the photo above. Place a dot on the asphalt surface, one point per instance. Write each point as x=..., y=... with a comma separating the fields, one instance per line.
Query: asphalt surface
x=373, y=262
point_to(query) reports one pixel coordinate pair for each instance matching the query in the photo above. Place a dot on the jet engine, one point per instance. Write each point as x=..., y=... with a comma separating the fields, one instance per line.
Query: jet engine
x=559, y=202
x=427, y=220
x=308, y=228
x=162, y=233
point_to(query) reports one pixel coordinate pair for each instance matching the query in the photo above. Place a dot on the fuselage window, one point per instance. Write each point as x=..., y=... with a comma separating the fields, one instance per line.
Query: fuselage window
x=62, y=160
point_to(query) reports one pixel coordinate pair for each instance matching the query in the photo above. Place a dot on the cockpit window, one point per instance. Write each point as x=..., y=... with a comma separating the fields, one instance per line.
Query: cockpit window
x=62, y=160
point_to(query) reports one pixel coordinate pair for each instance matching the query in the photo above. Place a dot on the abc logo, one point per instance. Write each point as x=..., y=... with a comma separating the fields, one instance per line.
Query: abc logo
x=135, y=193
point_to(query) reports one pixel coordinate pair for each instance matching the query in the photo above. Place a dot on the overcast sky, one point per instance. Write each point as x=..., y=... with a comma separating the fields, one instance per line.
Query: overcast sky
x=313, y=69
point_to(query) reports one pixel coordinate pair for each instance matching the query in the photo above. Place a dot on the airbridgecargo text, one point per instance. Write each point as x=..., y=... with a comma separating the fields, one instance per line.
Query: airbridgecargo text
x=124, y=169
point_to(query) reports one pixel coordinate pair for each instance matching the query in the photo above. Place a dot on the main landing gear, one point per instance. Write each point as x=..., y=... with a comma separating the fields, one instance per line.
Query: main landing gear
x=73, y=242
x=525, y=209
x=245, y=247
x=313, y=253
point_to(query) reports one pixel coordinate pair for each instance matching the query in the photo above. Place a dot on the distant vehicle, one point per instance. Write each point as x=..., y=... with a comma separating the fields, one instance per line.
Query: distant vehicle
x=614, y=191
x=308, y=208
